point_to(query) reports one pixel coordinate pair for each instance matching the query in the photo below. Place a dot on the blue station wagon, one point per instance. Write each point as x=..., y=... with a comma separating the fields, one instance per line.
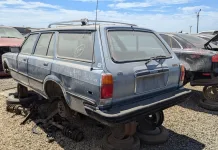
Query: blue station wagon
x=112, y=72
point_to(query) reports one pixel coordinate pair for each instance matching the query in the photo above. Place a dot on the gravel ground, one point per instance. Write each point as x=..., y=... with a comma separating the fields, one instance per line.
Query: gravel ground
x=190, y=127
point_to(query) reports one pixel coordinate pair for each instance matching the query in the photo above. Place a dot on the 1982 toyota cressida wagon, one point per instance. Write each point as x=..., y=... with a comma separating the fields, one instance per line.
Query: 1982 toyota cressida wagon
x=112, y=72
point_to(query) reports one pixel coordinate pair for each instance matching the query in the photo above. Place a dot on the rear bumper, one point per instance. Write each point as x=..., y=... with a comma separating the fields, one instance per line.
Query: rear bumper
x=205, y=82
x=128, y=113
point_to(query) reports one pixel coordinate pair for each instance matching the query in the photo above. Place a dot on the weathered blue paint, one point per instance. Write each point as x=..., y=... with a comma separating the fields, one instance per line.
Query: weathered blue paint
x=81, y=85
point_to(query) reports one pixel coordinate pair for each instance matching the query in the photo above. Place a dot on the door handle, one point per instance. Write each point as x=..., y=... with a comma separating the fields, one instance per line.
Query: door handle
x=45, y=64
x=24, y=59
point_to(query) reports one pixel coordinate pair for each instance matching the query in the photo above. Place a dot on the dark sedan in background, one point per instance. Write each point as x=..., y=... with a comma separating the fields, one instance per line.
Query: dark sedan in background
x=200, y=58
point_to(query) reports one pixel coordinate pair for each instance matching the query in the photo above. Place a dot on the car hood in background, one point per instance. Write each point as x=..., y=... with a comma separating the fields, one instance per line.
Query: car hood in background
x=11, y=42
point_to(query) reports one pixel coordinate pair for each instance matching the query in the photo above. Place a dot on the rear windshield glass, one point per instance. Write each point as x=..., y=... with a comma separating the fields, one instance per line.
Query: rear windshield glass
x=10, y=33
x=197, y=41
x=185, y=44
x=135, y=46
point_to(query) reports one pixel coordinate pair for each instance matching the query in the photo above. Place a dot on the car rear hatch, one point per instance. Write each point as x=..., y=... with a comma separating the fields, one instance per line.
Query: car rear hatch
x=140, y=65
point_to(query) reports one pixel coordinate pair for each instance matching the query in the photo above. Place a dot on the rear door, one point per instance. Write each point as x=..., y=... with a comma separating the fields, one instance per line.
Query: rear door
x=133, y=72
x=22, y=58
x=40, y=62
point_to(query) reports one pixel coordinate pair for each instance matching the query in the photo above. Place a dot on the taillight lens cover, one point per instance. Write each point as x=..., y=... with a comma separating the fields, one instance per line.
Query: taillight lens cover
x=106, y=91
x=106, y=86
x=215, y=58
x=182, y=75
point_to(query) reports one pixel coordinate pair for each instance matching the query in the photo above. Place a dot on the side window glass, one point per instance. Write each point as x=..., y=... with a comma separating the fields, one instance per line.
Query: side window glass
x=51, y=46
x=184, y=43
x=170, y=41
x=42, y=45
x=75, y=45
x=29, y=43
x=166, y=39
x=174, y=43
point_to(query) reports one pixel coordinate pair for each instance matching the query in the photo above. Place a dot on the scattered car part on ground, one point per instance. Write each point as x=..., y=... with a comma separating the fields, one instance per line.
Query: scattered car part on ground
x=65, y=66
x=30, y=109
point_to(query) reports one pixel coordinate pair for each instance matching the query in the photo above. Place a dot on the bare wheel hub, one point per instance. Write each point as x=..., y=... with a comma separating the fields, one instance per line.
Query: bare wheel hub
x=62, y=109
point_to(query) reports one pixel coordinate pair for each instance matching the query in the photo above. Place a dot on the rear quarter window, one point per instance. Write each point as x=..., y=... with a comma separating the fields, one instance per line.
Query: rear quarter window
x=76, y=46
x=43, y=43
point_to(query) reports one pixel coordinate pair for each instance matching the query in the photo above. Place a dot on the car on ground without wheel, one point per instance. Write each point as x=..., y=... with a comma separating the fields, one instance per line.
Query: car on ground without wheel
x=113, y=72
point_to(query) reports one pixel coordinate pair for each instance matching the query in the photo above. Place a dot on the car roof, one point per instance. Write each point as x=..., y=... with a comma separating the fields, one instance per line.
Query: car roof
x=90, y=27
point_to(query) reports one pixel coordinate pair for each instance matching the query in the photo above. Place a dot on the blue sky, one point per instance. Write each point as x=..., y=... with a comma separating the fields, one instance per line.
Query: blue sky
x=160, y=15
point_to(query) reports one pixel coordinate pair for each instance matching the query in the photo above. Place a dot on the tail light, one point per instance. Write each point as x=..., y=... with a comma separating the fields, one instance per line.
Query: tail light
x=182, y=75
x=215, y=58
x=106, y=88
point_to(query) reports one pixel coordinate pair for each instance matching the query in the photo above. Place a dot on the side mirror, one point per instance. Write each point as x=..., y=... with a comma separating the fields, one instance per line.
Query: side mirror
x=15, y=49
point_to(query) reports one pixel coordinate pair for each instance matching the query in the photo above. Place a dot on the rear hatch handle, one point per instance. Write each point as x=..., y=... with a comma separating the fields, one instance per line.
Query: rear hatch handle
x=144, y=73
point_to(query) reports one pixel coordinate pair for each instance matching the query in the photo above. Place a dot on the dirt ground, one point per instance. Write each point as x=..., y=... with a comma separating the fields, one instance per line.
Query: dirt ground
x=190, y=127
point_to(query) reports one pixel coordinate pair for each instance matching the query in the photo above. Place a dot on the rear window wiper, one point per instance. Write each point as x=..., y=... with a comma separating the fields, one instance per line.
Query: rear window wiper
x=156, y=58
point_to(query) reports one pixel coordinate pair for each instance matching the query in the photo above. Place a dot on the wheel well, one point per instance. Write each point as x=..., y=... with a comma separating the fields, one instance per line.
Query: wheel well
x=5, y=65
x=53, y=90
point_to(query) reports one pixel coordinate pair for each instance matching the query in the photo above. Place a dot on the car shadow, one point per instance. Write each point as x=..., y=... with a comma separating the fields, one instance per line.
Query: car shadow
x=192, y=103
x=94, y=133
x=5, y=77
x=176, y=142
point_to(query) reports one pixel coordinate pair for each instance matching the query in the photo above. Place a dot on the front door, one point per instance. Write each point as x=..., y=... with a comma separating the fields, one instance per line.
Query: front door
x=40, y=62
x=22, y=58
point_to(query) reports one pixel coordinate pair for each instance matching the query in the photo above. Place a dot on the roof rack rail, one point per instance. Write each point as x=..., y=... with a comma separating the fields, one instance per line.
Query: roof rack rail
x=85, y=22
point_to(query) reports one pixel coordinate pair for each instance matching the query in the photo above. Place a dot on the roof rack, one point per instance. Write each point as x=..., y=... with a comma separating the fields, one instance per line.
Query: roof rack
x=85, y=22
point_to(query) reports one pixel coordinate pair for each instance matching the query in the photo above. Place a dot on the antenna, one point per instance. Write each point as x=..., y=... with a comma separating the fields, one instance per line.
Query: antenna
x=93, y=51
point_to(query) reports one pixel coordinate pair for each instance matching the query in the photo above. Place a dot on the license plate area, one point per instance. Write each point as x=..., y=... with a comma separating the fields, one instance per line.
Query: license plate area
x=151, y=82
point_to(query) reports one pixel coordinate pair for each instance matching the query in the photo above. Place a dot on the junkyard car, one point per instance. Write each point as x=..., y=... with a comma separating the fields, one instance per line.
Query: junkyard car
x=200, y=58
x=113, y=75
x=200, y=61
x=9, y=37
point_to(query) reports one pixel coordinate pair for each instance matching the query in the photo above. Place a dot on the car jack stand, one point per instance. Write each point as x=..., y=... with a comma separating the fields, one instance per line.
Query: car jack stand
x=122, y=138
x=150, y=134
